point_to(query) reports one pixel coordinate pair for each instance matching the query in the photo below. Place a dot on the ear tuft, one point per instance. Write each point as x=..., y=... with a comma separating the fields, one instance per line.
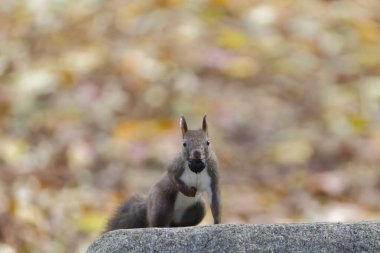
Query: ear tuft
x=182, y=123
x=204, y=124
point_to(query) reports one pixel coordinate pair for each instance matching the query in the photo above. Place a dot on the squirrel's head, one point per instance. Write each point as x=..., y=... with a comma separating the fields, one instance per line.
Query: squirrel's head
x=195, y=145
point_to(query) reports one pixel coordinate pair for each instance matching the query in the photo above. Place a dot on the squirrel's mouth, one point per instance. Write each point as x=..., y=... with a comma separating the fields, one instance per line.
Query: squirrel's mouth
x=196, y=165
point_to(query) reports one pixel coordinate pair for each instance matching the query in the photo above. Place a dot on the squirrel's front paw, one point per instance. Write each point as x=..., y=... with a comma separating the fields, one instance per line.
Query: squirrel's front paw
x=192, y=191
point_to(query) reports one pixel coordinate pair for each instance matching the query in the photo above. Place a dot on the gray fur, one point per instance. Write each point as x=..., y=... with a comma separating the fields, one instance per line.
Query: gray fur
x=130, y=214
x=193, y=215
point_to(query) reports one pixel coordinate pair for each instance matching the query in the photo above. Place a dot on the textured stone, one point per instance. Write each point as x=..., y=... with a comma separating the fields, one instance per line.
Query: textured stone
x=304, y=237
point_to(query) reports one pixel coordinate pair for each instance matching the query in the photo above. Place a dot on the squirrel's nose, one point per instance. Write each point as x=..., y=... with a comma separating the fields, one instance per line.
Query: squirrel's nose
x=197, y=154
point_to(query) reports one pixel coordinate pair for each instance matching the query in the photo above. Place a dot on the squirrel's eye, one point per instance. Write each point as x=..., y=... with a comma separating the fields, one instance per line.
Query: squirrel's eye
x=207, y=143
x=184, y=144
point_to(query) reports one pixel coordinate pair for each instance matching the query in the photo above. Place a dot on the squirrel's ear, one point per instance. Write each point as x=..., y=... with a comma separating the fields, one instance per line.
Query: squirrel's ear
x=204, y=124
x=182, y=123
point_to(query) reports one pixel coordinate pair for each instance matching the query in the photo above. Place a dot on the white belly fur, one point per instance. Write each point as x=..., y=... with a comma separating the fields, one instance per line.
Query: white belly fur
x=201, y=181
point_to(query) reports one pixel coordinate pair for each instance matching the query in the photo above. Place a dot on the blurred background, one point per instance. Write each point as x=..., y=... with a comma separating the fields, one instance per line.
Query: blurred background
x=91, y=92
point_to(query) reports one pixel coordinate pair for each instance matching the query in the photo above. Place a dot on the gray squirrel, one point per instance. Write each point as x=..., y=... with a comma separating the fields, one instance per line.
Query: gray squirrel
x=176, y=199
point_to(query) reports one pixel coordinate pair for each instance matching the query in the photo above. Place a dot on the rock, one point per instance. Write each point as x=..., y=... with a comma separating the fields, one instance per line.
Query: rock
x=303, y=237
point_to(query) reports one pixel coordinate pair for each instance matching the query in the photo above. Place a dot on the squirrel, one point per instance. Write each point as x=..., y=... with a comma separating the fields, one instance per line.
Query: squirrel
x=176, y=199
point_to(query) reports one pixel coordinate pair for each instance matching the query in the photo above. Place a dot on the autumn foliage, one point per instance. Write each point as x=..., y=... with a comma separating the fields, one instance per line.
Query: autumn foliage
x=91, y=92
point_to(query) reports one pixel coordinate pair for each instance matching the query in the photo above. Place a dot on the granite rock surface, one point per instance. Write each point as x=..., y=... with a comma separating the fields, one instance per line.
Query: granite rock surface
x=303, y=237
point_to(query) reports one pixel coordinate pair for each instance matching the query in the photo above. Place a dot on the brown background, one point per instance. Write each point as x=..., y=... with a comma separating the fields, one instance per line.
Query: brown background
x=91, y=92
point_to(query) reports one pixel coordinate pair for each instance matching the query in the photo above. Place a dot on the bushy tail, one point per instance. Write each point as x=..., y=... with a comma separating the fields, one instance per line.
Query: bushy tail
x=130, y=214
